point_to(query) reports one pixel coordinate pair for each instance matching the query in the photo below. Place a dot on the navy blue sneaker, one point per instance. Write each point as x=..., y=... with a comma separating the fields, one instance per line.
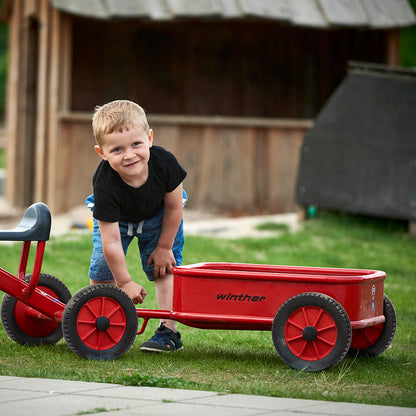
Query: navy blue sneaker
x=164, y=340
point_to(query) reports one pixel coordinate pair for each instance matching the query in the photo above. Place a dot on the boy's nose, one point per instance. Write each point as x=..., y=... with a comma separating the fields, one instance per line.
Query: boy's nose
x=128, y=154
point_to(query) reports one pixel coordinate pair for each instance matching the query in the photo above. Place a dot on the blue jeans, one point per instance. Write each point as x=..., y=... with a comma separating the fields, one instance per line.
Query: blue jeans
x=147, y=232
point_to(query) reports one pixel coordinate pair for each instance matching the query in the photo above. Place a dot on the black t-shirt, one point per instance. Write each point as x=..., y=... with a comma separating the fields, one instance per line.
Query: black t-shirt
x=115, y=200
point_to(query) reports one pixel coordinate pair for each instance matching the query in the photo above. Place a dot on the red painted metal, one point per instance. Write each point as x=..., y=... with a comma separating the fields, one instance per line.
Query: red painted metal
x=28, y=293
x=36, y=269
x=23, y=259
x=364, y=323
x=144, y=325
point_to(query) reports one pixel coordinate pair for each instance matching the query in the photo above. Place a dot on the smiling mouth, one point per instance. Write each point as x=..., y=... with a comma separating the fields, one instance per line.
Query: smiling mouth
x=131, y=164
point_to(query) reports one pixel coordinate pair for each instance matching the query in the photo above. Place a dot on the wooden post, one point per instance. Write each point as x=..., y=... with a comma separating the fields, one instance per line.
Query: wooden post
x=12, y=111
x=393, y=47
x=59, y=62
x=412, y=228
x=301, y=213
x=41, y=149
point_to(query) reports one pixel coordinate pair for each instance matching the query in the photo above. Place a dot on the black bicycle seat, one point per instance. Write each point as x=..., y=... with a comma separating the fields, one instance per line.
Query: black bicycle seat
x=34, y=226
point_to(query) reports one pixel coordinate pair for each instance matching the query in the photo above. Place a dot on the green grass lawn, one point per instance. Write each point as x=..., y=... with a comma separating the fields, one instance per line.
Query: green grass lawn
x=2, y=159
x=245, y=361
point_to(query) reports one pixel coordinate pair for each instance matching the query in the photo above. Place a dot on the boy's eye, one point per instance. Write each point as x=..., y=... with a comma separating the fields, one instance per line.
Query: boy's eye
x=116, y=150
x=135, y=144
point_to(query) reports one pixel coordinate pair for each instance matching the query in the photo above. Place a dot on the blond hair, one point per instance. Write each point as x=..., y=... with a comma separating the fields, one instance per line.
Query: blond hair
x=117, y=115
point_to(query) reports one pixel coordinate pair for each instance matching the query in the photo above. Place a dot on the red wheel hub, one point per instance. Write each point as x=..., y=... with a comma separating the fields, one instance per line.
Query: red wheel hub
x=310, y=333
x=101, y=323
x=32, y=322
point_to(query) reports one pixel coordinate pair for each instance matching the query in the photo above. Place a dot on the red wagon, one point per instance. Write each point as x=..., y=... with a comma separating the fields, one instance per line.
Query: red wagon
x=316, y=315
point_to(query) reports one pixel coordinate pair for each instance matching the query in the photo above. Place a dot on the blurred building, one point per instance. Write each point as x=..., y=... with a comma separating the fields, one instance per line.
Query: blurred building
x=230, y=86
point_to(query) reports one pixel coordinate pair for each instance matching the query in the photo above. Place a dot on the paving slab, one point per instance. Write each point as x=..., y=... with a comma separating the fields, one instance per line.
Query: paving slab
x=151, y=393
x=44, y=385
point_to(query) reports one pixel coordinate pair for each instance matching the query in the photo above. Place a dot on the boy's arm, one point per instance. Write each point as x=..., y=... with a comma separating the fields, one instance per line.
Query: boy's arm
x=114, y=256
x=162, y=256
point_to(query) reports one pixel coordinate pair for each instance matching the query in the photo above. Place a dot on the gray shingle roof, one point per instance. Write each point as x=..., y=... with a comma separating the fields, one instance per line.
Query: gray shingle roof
x=373, y=14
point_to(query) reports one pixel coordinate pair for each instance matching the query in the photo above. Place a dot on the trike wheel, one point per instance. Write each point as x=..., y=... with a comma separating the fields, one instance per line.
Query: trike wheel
x=100, y=322
x=374, y=340
x=311, y=332
x=26, y=327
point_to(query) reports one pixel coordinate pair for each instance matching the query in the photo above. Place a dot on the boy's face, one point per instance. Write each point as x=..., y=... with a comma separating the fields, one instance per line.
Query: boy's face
x=128, y=152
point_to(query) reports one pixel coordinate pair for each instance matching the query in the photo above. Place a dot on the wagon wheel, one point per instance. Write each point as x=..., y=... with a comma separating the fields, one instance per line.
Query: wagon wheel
x=374, y=340
x=24, y=327
x=311, y=332
x=100, y=322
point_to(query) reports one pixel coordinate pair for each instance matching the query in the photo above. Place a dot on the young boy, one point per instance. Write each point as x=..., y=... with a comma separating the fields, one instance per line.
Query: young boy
x=137, y=192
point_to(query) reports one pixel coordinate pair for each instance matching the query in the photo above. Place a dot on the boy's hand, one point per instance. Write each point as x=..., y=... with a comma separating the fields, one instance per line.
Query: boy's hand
x=136, y=292
x=163, y=260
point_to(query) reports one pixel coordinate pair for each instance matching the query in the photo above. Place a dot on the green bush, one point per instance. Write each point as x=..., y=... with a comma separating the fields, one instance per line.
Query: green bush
x=408, y=44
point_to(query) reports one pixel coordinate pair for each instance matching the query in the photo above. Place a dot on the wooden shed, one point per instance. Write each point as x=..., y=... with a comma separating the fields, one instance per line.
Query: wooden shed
x=230, y=86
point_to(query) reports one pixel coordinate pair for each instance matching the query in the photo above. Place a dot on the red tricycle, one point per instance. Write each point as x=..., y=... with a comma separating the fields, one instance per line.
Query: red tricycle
x=316, y=315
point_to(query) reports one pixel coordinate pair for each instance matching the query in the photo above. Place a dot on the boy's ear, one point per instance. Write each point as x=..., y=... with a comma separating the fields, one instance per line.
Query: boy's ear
x=150, y=138
x=99, y=151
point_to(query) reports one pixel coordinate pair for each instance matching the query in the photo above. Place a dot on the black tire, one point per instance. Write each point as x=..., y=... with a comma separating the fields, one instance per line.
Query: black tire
x=100, y=322
x=27, y=329
x=377, y=337
x=311, y=332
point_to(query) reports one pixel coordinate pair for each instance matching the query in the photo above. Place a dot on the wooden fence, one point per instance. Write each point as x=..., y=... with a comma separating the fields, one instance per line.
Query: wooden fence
x=236, y=166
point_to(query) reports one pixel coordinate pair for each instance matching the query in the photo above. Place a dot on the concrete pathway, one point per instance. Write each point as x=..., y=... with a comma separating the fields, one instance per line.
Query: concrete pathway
x=44, y=397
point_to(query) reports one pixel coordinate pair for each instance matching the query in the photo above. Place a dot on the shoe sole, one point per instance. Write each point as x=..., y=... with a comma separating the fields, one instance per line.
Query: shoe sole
x=150, y=349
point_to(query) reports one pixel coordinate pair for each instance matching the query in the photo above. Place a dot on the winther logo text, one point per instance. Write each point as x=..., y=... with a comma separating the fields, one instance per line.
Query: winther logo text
x=243, y=297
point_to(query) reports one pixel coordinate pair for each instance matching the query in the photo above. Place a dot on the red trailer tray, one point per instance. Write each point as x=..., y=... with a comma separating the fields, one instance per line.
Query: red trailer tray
x=247, y=296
